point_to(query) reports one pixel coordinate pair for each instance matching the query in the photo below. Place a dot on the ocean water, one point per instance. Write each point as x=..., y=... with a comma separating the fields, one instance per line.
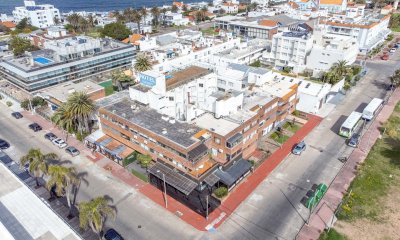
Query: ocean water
x=6, y=6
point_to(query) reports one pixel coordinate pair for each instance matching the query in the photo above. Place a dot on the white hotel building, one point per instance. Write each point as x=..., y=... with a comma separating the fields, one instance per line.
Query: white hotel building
x=40, y=16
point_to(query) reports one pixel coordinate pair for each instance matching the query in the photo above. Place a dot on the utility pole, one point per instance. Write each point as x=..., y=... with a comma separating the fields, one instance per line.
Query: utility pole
x=165, y=189
x=207, y=207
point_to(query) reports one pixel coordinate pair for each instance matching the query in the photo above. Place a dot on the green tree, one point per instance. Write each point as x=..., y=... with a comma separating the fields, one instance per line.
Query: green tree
x=137, y=18
x=20, y=45
x=221, y=192
x=80, y=108
x=65, y=180
x=164, y=12
x=22, y=24
x=143, y=13
x=91, y=21
x=340, y=68
x=155, y=12
x=144, y=160
x=395, y=78
x=185, y=8
x=63, y=119
x=38, y=162
x=34, y=102
x=174, y=9
x=142, y=63
x=120, y=79
x=74, y=20
x=94, y=213
x=116, y=31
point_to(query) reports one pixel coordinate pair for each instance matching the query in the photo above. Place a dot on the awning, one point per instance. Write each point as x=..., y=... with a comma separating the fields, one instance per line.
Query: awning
x=233, y=173
x=118, y=150
x=197, y=152
x=104, y=141
x=94, y=136
x=211, y=179
x=173, y=178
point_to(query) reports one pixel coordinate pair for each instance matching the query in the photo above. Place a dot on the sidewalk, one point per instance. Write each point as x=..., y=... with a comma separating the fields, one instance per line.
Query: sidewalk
x=219, y=215
x=324, y=212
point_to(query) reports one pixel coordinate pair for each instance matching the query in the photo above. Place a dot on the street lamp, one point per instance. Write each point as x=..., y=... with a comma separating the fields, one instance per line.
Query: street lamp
x=165, y=189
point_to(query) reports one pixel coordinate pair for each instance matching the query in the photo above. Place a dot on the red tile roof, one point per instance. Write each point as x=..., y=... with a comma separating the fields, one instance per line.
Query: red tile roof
x=8, y=24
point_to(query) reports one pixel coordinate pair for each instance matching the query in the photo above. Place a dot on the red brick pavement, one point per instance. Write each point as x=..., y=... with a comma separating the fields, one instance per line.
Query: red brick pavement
x=320, y=218
x=218, y=216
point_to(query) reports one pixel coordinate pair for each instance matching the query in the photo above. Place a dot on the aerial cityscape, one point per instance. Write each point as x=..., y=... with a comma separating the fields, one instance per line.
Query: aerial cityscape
x=207, y=120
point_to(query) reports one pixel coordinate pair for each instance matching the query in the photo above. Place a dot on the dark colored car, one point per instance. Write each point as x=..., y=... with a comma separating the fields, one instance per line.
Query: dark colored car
x=50, y=136
x=390, y=87
x=35, y=127
x=299, y=148
x=354, y=140
x=111, y=234
x=17, y=115
x=72, y=151
x=4, y=144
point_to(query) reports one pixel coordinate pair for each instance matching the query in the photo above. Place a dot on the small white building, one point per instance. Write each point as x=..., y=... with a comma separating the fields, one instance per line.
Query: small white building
x=230, y=7
x=135, y=28
x=329, y=49
x=40, y=16
x=174, y=19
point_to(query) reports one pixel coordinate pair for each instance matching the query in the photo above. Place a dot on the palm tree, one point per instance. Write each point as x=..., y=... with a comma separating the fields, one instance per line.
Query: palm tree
x=143, y=13
x=155, y=12
x=164, y=11
x=94, y=213
x=174, y=8
x=63, y=119
x=142, y=63
x=73, y=19
x=90, y=20
x=119, y=16
x=38, y=162
x=80, y=108
x=137, y=18
x=119, y=79
x=340, y=68
x=83, y=24
x=65, y=180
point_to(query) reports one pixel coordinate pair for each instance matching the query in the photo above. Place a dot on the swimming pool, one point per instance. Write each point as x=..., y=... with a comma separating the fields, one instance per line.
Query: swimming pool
x=42, y=60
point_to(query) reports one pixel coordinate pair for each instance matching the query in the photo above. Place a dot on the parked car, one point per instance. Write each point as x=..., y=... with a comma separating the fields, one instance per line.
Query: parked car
x=4, y=144
x=392, y=50
x=111, y=234
x=354, y=140
x=390, y=86
x=35, y=127
x=72, y=151
x=299, y=148
x=59, y=143
x=385, y=57
x=50, y=136
x=17, y=115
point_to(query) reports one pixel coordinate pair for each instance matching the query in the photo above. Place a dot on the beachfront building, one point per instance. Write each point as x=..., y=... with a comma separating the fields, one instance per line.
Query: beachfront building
x=230, y=8
x=174, y=19
x=67, y=59
x=134, y=27
x=369, y=31
x=40, y=16
x=333, y=6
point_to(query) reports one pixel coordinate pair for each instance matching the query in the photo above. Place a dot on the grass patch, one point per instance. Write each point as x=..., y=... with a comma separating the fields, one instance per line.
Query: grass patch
x=395, y=29
x=377, y=174
x=291, y=127
x=279, y=138
x=209, y=31
x=108, y=87
x=332, y=235
x=140, y=175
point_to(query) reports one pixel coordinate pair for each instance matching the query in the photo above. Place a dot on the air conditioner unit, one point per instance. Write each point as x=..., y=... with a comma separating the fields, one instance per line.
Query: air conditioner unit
x=134, y=136
x=145, y=141
x=220, y=150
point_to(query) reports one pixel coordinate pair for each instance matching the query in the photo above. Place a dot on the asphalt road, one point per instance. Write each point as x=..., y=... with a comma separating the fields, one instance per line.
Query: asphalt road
x=274, y=210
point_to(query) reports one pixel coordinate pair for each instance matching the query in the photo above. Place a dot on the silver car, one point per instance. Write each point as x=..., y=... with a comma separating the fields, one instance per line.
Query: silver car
x=72, y=151
x=299, y=148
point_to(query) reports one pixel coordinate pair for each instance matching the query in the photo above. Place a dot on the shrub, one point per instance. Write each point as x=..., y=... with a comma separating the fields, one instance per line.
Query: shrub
x=36, y=101
x=144, y=160
x=296, y=113
x=346, y=86
x=356, y=69
x=1, y=97
x=357, y=78
x=348, y=78
x=81, y=136
x=9, y=104
x=129, y=159
x=221, y=192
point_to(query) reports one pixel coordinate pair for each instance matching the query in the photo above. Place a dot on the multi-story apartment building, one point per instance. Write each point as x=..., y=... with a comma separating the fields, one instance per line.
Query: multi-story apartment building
x=369, y=30
x=209, y=146
x=290, y=49
x=40, y=16
x=66, y=59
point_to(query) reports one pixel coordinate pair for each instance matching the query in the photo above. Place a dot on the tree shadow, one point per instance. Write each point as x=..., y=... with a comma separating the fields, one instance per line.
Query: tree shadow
x=393, y=153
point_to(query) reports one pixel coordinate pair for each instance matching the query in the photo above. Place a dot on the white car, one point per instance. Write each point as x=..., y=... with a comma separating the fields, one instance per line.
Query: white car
x=393, y=50
x=59, y=143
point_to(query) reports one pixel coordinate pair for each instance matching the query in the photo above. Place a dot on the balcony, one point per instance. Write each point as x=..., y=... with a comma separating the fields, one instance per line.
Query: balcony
x=234, y=140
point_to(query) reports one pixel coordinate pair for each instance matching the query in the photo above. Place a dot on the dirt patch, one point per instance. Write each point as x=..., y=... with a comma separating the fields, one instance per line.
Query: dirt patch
x=388, y=227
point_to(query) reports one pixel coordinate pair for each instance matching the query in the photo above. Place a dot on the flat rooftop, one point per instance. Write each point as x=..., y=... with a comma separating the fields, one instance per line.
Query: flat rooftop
x=220, y=126
x=177, y=132
x=184, y=76
x=24, y=216
x=276, y=87
x=307, y=87
x=62, y=92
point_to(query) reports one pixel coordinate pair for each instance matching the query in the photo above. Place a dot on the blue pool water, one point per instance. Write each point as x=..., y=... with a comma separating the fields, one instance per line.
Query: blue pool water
x=42, y=60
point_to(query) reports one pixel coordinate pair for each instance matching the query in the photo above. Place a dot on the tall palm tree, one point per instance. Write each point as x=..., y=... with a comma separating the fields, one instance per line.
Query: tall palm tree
x=128, y=14
x=340, y=68
x=143, y=13
x=142, y=63
x=94, y=213
x=81, y=108
x=73, y=19
x=155, y=12
x=65, y=180
x=120, y=17
x=137, y=18
x=38, y=162
x=83, y=24
x=164, y=11
x=63, y=119
x=90, y=20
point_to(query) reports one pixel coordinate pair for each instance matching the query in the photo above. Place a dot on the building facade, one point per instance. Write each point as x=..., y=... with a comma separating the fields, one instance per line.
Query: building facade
x=40, y=16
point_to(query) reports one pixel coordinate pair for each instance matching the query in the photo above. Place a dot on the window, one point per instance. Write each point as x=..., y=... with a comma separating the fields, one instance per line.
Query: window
x=217, y=140
x=200, y=85
x=171, y=98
